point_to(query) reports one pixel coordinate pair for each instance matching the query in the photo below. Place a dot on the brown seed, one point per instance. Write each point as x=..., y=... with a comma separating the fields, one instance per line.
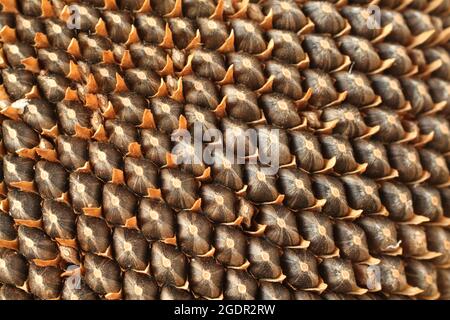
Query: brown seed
x=286, y=15
x=427, y=202
x=438, y=90
x=183, y=31
x=73, y=114
x=406, y=160
x=58, y=33
x=323, y=52
x=155, y=145
x=74, y=290
x=357, y=85
x=39, y=115
x=168, y=264
x=422, y=275
x=44, y=282
x=13, y=268
x=194, y=233
x=17, y=82
x=173, y=293
x=287, y=79
x=400, y=32
x=417, y=21
x=435, y=164
x=337, y=146
x=24, y=205
x=104, y=158
x=249, y=36
x=261, y=186
x=352, y=241
x=264, y=259
x=156, y=220
x=198, y=8
x=119, y=203
x=201, y=92
x=27, y=27
x=58, y=219
x=394, y=279
x=214, y=33
x=121, y=134
x=350, y=122
x=242, y=103
x=17, y=135
x=118, y=24
x=179, y=189
x=362, y=193
x=130, y=248
x=296, y=186
x=287, y=46
x=166, y=113
x=438, y=241
x=218, y=203
x=142, y=81
x=105, y=76
x=92, y=47
x=300, y=267
x=374, y=154
x=72, y=151
x=239, y=285
x=35, y=244
x=139, y=286
x=433, y=54
x=390, y=90
x=148, y=56
x=31, y=8
x=151, y=28
x=402, y=64
x=17, y=169
x=93, y=234
x=280, y=111
x=208, y=64
x=129, y=107
x=381, y=234
x=318, y=230
x=338, y=274
x=414, y=240
x=325, y=16
x=51, y=179
x=231, y=245
x=140, y=174
x=281, y=225
x=8, y=292
x=443, y=280
x=102, y=274
x=247, y=70
x=306, y=147
x=357, y=17
x=331, y=189
x=361, y=52
x=7, y=230
x=273, y=291
x=16, y=52
x=206, y=277
x=397, y=198
x=441, y=129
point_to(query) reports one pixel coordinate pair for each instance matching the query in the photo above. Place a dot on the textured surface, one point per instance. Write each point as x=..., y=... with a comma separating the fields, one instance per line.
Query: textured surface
x=93, y=205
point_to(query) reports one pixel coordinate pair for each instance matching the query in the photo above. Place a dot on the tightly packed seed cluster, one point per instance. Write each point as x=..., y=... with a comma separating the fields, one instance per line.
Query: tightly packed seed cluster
x=94, y=204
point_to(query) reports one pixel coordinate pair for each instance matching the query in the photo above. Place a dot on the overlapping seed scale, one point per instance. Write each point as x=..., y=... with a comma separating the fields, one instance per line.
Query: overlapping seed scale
x=95, y=206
